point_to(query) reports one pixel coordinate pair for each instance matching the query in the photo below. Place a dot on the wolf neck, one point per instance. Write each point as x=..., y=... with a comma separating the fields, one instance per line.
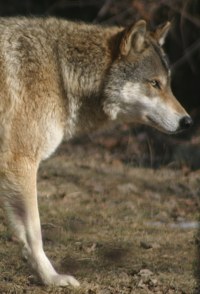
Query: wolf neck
x=87, y=60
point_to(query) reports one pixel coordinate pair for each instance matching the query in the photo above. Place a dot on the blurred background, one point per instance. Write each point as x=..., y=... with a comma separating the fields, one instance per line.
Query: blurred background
x=132, y=144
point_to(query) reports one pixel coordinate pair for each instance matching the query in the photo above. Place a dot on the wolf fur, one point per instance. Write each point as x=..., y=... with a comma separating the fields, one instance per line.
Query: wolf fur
x=59, y=79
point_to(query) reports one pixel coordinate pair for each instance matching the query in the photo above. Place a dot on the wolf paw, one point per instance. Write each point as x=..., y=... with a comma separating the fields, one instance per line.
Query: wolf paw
x=64, y=280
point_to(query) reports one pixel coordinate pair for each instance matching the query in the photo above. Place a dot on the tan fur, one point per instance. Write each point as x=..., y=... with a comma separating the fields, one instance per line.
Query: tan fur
x=59, y=79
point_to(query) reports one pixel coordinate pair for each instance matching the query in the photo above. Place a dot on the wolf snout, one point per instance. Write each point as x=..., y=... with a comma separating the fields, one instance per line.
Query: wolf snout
x=185, y=123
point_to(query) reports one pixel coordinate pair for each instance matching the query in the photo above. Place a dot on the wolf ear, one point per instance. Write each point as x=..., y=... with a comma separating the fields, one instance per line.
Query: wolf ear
x=133, y=37
x=161, y=33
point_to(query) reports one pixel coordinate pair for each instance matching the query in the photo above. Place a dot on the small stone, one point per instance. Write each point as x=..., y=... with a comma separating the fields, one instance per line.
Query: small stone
x=79, y=245
x=155, y=245
x=145, y=273
x=127, y=188
x=154, y=282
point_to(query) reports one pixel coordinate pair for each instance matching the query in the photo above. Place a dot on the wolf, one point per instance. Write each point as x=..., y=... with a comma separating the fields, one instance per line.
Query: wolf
x=59, y=79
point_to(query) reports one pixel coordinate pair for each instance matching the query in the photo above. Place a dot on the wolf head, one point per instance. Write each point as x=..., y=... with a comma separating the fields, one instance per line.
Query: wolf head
x=138, y=86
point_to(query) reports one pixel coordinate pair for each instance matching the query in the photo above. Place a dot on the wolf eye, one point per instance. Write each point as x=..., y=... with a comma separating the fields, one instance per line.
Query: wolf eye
x=155, y=84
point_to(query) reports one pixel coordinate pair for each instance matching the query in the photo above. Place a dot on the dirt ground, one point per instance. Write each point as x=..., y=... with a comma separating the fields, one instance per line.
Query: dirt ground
x=118, y=227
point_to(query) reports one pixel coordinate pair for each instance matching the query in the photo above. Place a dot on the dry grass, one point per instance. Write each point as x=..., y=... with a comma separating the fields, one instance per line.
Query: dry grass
x=105, y=223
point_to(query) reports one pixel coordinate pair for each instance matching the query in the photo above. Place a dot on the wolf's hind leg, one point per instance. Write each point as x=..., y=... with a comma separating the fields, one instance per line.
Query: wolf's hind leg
x=19, y=191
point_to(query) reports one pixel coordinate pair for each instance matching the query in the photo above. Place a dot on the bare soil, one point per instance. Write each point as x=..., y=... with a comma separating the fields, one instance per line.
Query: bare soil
x=117, y=227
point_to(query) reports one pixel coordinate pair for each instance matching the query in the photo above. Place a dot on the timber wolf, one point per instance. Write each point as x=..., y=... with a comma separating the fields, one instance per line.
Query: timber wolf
x=59, y=79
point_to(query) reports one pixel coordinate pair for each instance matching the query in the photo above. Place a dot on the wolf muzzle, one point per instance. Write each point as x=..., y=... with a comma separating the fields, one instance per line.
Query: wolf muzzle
x=185, y=123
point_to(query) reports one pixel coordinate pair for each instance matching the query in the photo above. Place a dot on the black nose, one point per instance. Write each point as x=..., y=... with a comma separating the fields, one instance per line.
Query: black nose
x=185, y=123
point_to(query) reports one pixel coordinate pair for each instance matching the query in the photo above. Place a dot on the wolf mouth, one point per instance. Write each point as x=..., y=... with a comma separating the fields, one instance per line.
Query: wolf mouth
x=153, y=122
x=160, y=128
